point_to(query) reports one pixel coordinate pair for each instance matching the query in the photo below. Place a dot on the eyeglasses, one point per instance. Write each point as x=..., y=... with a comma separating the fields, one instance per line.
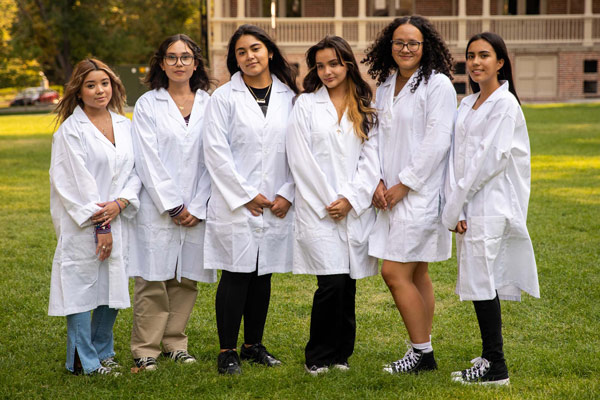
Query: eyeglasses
x=186, y=59
x=412, y=46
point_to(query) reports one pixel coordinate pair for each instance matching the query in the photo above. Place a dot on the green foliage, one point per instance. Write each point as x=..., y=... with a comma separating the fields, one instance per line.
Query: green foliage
x=552, y=344
x=60, y=33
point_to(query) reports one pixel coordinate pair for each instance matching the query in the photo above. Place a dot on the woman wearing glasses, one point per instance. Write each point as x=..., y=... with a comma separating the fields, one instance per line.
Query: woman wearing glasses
x=249, y=222
x=167, y=248
x=416, y=103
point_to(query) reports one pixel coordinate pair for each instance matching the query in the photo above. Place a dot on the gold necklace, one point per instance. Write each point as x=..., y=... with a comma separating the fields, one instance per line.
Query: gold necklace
x=181, y=108
x=264, y=99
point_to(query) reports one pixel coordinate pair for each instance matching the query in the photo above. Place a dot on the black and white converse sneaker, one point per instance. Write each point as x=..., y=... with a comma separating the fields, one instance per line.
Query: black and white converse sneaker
x=414, y=361
x=180, y=356
x=147, y=363
x=483, y=372
x=110, y=363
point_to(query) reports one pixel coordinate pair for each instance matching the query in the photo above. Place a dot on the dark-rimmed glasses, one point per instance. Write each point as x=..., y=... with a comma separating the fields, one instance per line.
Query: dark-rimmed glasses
x=412, y=46
x=186, y=59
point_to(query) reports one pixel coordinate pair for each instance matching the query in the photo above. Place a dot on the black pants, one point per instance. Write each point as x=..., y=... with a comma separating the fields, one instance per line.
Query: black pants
x=490, y=325
x=242, y=294
x=332, y=321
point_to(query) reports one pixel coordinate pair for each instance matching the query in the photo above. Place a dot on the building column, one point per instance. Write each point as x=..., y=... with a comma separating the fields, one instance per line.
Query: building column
x=339, y=27
x=461, y=40
x=485, y=20
x=241, y=8
x=362, y=24
x=214, y=27
x=587, y=24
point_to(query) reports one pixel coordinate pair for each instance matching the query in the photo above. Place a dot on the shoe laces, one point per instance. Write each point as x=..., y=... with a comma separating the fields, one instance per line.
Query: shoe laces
x=103, y=370
x=479, y=369
x=109, y=363
x=181, y=355
x=408, y=362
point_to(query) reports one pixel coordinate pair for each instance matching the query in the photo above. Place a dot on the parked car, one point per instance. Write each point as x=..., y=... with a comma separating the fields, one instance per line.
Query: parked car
x=35, y=95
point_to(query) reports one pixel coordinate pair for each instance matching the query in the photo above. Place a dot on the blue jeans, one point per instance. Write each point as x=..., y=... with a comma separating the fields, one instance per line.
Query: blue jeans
x=91, y=336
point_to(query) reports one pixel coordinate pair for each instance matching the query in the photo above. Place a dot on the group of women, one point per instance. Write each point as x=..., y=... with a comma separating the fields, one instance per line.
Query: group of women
x=256, y=179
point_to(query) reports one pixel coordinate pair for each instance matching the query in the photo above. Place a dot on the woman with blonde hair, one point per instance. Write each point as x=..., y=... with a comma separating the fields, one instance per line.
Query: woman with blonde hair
x=92, y=182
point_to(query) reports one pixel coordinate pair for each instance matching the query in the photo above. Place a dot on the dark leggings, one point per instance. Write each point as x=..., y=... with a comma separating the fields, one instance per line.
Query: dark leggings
x=242, y=294
x=490, y=325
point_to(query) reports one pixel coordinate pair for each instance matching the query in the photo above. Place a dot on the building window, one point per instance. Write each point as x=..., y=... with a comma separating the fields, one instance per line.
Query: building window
x=590, y=66
x=459, y=68
x=460, y=87
x=590, y=87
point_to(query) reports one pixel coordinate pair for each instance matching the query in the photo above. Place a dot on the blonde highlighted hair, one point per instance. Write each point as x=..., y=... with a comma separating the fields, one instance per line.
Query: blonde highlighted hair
x=71, y=98
x=358, y=94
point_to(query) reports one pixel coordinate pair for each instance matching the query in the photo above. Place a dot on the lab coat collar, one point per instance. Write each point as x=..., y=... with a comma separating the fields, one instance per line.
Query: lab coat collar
x=238, y=84
x=322, y=96
x=390, y=84
x=470, y=100
x=82, y=118
x=163, y=95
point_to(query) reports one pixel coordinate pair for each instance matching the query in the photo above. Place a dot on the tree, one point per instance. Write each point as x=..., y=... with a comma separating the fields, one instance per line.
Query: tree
x=58, y=33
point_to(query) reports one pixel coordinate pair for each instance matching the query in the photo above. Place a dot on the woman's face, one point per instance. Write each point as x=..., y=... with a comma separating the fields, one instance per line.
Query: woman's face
x=96, y=90
x=179, y=63
x=252, y=56
x=482, y=62
x=331, y=72
x=407, y=48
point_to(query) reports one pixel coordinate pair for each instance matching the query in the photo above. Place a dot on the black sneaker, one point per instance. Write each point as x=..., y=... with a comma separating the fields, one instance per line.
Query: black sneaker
x=147, y=363
x=180, y=356
x=257, y=353
x=228, y=363
x=110, y=363
x=483, y=372
x=414, y=361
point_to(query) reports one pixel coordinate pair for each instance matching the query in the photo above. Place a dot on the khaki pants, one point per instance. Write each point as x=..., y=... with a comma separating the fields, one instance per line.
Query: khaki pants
x=161, y=310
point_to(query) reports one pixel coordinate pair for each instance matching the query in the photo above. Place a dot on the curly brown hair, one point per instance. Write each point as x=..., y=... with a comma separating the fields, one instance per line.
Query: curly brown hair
x=436, y=55
x=71, y=98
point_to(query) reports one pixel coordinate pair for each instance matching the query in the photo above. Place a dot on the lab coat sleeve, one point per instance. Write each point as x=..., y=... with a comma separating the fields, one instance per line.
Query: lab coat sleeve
x=197, y=206
x=311, y=182
x=218, y=156
x=359, y=191
x=441, y=107
x=75, y=186
x=490, y=159
x=156, y=179
x=131, y=192
x=288, y=189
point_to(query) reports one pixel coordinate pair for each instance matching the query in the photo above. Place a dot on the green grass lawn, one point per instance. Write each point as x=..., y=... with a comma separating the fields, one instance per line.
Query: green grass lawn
x=552, y=344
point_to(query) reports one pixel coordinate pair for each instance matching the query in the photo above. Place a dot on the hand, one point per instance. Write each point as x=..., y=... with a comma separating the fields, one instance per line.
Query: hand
x=394, y=194
x=379, y=196
x=185, y=218
x=280, y=207
x=461, y=227
x=339, y=209
x=257, y=204
x=107, y=213
x=104, y=247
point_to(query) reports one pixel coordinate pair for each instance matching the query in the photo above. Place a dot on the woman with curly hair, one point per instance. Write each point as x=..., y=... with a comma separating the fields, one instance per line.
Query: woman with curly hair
x=416, y=103
x=332, y=151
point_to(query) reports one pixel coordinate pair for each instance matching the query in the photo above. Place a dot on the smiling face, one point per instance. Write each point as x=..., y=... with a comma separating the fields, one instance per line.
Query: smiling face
x=331, y=72
x=252, y=56
x=96, y=90
x=408, y=60
x=178, y=72
x=482, y=63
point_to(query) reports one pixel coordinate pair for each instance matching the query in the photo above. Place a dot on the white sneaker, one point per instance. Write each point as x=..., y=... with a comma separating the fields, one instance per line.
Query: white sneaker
x=314, y=370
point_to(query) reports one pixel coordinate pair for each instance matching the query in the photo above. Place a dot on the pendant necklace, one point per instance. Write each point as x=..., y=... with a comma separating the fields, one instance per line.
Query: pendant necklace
x=264, y=99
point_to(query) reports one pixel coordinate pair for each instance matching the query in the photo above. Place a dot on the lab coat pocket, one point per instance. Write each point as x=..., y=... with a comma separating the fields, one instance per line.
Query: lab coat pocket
x=359, y=229
x=79, y=266
x=486, y=235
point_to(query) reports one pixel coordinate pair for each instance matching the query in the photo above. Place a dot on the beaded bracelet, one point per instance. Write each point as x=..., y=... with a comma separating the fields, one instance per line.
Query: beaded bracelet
x=124, y=201
x=100, y=230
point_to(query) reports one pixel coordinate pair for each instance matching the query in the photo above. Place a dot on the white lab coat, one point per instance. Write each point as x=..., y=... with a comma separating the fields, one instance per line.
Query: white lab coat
x=86, y=169
x=328, y=162
x=245, y=155
x=488, y=184
x=415, y=135
x=169, y=161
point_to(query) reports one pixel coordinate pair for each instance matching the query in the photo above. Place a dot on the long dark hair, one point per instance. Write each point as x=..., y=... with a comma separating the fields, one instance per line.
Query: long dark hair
x=156, y=78
x=358, y=94
x=436, y=55
x=277, y=64
x=505, y=73
x=71, y=98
